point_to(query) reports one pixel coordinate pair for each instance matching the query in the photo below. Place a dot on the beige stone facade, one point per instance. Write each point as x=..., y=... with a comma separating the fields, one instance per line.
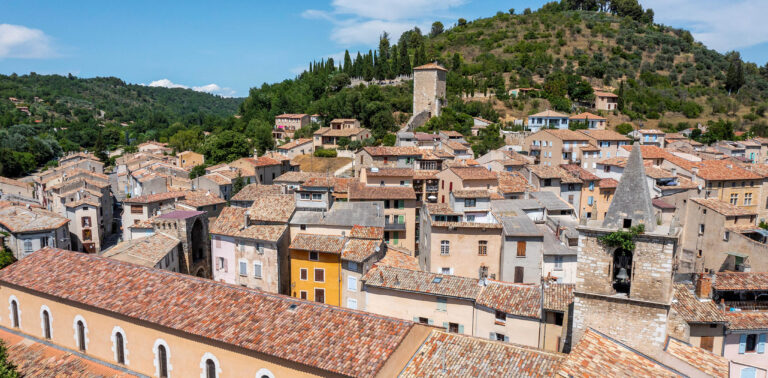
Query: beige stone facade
x=429, y=89
x=189, y=159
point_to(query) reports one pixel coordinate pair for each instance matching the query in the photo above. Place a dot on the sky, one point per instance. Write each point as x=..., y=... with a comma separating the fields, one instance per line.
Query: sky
x=227, y=47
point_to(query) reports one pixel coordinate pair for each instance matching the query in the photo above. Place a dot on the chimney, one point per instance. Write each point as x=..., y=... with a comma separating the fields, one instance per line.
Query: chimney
x=245, y=220
x=703, y=286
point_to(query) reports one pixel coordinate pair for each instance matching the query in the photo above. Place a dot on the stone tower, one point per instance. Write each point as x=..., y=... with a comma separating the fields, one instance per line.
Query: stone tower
x=428, y=89
x=191, y=229
x=626, y=294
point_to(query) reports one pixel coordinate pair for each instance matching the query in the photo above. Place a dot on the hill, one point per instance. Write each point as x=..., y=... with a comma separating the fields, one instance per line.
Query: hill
x=565, y=50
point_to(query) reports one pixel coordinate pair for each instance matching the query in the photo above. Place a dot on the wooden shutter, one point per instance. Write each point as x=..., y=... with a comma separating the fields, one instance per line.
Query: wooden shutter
x=521, y=249
x=707, y=343
x=742, y=344
x=519, y=270
x=761, y=343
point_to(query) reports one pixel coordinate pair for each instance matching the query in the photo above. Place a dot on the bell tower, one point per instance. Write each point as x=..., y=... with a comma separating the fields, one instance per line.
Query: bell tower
x=626, y=291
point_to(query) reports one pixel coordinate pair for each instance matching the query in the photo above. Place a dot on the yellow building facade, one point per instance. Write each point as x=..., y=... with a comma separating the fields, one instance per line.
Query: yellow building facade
x=316, y=268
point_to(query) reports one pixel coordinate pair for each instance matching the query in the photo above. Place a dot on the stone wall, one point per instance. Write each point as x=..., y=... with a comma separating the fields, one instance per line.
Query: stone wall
x=640, y=325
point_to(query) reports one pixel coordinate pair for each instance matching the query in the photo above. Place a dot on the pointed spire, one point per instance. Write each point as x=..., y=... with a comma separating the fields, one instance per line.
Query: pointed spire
x=632, y=200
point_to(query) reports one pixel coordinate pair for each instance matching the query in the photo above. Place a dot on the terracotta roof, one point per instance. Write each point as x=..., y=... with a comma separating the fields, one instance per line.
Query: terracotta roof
x=578, y=171
x=471, y=193
x=21, y=219
x=467, y=225
x=710, y=364
x=199, y=199
x=747, y=320
x=515, y=299
x=360, y=191
x=655, y=172
x=694, y=310
x=291, y=116
x=513, y=182
x=272, y=208
x=608, y=183
x=21, y=184
x=366, y=232
x=422, y=282
x=426, y=136
x=389, y=172
x=84, y=201
x=558, y=296
x=605, y=94
x=441, y=209
x=338, y=184
x=431, y=66
x=617, y=161
x=399, y=259
x=605, y=135
x=473, y=173
x=728, y=281
x=724, y=170
x=393, y=151
x=149, y=198
x=566, y=134
x=262, y=161
x=549, y=113
x=722, y=207
x=359, y=250
x=587, y=115
x=295, y=176
x=661, y=204
x=651, y=152
x=34, y=359
x=445, y=354
x=348, y=132
x=420, y=174
x=231, y=222
x=318, y=243
x=146, y=251
x=554, y=172
x=451, y=133
x=590, y=147
x=285, y=328
x=597, y=355
x=294, y=143
x=455, y=146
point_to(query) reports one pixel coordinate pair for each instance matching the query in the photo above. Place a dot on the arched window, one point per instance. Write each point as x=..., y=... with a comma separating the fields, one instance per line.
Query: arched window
x=210, y=366
x=162, y=361
x=264, y=373
x=46, y=324
x=119, y=348
x=81, y=335
x=210, y=369
x=15, y=313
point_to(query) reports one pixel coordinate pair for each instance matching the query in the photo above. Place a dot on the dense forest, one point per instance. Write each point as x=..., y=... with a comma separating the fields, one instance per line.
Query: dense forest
x=565, y=50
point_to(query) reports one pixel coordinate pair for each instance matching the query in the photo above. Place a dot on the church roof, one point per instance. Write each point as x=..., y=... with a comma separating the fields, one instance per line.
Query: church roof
x=632, y=199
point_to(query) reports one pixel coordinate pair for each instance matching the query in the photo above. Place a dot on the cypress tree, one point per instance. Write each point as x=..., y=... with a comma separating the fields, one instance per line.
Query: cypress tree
x=405, y=60
x=347, y=62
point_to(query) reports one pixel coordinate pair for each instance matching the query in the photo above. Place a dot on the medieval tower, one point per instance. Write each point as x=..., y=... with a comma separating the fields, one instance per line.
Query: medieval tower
x=428, y=89
x=623, y=292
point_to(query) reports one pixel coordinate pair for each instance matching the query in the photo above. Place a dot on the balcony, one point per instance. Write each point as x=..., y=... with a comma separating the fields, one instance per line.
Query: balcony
x=394, y=226
x=433, y=188
x=535, y=147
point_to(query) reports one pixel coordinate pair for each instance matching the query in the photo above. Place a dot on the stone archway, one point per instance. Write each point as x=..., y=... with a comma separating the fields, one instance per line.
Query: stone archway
x=622, y=270
x=201, y=273
x=197, y=242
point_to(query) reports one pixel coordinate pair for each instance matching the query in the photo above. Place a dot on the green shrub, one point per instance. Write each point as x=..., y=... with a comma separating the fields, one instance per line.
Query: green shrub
x=691, y=109
x=321, y=152
x=624, y=128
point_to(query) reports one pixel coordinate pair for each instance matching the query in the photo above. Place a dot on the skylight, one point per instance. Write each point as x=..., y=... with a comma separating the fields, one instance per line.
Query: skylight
x=437, y=279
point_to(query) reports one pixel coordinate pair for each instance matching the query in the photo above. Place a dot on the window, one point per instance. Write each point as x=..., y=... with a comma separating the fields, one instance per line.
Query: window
x=701, y=229
x=27, y=246
x=501, y=316
x=726, y=235
x=314, y=256
x=257, y=270
x=547, y=182
x=81, y=335
x=86, y=221
x=352, y=303
x=423, y=320
x=243, y=268
x=351, y=265
x=500, y=337
x=119, y=348
x=320, y=295
x=15, y=313
x=521, y=247
x=210, y=369
x=747, y=199
x=445, y=270
x=445, y=248
x=627, y=223
x=559, y=318
x=519, y=274
x=453, y=327
x=303, y=294
x=319, y=275
x=470, y=218
x=751, y=343
x=46, y=324
x=162, y=361
x=220, y=262
x=482, y=247
x=304, y=196
x=442, y=304
x=303, y=274
x=470, y=202
x=734, y=198
x=317, y=196
x=351, y=283
x=558, y=262
x=137, y=209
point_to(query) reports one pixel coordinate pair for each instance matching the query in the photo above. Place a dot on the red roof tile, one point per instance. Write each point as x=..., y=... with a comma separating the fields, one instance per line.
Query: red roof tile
x=732, y=281
x=705, y=361
x=515, y=299
x=318, y=243
x=473, y=173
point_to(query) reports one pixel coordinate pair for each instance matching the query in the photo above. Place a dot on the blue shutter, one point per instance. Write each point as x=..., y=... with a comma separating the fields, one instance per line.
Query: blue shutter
x=445, y=325
x=461, y=329
x=506, y=338
x=492, y=336
x=761, y=343
x=415, y=319
x=431, y=321
x=742, y=344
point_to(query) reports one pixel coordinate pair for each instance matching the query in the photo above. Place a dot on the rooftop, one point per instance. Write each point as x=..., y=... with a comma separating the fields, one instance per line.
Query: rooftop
x=294, y=143
x=318, y=243
x=519, y=225
x=734, y=281
x=344, y=214
x=291, y=116
x=722, y=207
x=710, y=364
x=515, y=299
x=389, y=172
x=272, y=208
x=551, y=201
x=294, y=176
x=473, y=173
x=579, y=172
x=553, y=172
x=605, y=94
x=609, y=135
x=359, y=250
x=445, y=354
x=513, y=182
x=146, y=251
x=251, y=192
x=608, y=183
x=285, y=328
x=695, y=310
x=393, y=151
x=181, y=214
x=231, y=222
x=360, y=191
x=399, y=259
x=549, y=113
x=632, y=199
x=431, y=66
x=747, y=320
x=327, y=131
x=363, y=232
x=23, y=219
x=558, y=297
x=150, y=198
x=418, y=281
x=586, y=116
x=566, y=134
x=471, y=193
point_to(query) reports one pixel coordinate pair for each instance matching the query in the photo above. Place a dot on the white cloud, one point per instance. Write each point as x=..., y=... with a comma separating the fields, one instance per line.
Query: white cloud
x=210, y=88
x=358, y=22
x=18, y=41
x=720, y=25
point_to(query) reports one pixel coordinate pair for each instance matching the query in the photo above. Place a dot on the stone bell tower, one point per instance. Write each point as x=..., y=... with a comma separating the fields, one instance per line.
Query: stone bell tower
x=626, y=294
x=428, y=89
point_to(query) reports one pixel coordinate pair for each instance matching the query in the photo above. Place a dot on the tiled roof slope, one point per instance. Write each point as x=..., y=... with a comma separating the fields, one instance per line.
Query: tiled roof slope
x=359, y=250
x=422, y=282
x=722, y=207
x=597, y=355
x=473, y=173
x=692, y=310
x=294, y=143
x=725, y=281
x=22, y=219
x=147, y=251
x=251, y=192
x=708, y=363
x=399, y=259
x=33, y=359
x=318, y=243
x=516, y=299
x=296, y=176
x=366, y=232
x=360, y=191
x=558, y=296
x=466, y=356
x=331, y=338
x=149, y=198
x=273, y=208
x=231, y=222
x=513, y=182
x=747, y=320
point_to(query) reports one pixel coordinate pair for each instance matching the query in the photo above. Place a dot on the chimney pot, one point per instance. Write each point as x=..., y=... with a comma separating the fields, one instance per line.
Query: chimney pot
x=703, y=286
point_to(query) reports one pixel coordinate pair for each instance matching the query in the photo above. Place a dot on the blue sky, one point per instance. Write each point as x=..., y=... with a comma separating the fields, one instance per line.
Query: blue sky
x=226, y=47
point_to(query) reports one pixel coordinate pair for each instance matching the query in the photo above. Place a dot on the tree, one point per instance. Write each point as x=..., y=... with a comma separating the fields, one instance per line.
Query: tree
x=462, y=21
x=99, y=149
x=226, y=146
x=186, y=140
x=437, y=29
x=389, y=140
x=527, y=11
x=734, y=78
x=620, y=100
x=197, y=171
x=456, y=62
x=490, y=139
x=624, y=128
x=691, y=109
x=404, y=59
x=262, y=135
x=347, y=63
x=512, y=11
x=238, y=183
x=7, y=368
